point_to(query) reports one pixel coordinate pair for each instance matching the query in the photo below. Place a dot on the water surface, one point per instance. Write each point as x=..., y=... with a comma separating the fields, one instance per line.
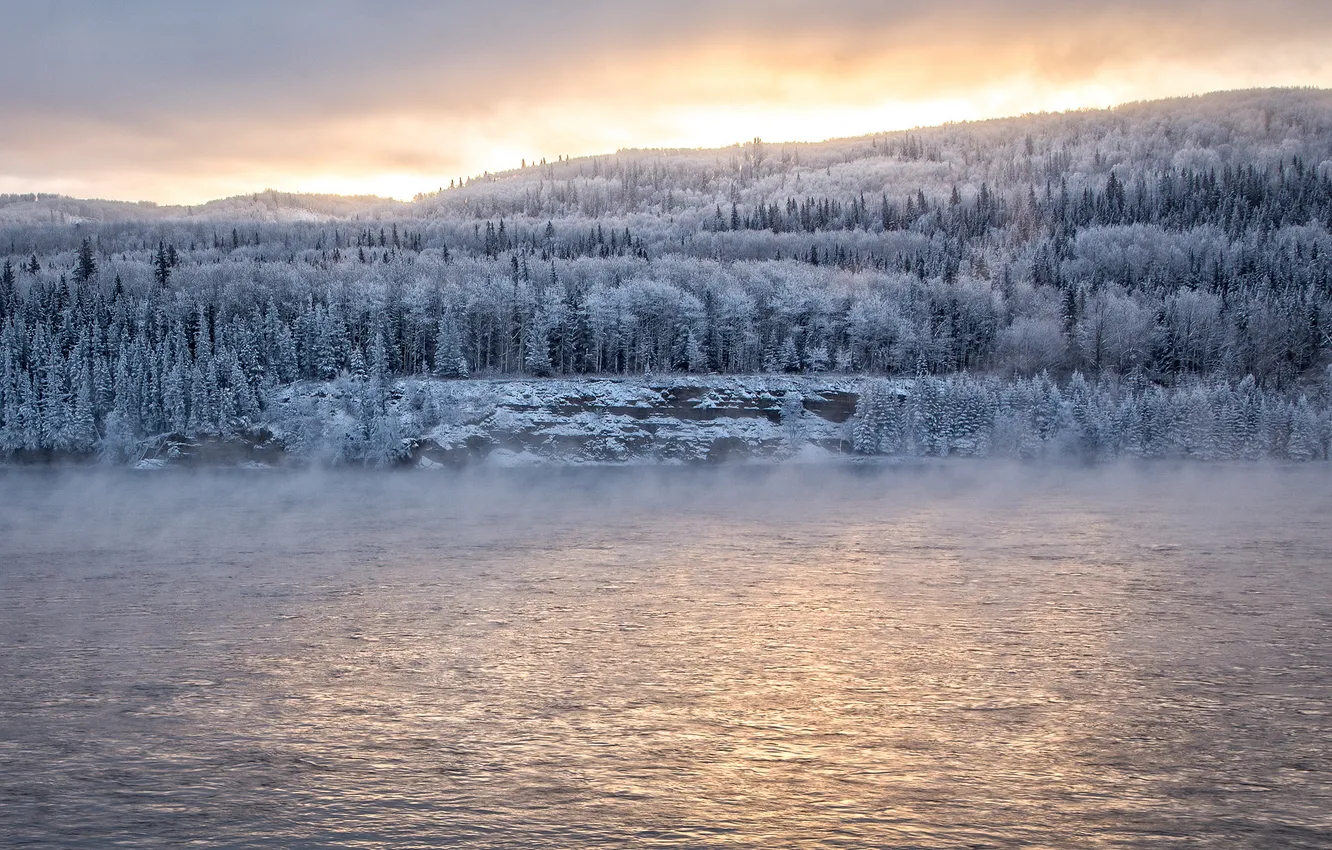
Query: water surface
x=972, y=655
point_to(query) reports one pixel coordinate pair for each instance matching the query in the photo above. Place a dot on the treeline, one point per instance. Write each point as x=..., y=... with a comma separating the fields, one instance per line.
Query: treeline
x=1103, y=420
x=191, y=349
x=1242, y=203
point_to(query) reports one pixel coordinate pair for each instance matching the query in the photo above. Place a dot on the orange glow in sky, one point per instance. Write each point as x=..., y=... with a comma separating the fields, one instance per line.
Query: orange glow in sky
x=410, y=120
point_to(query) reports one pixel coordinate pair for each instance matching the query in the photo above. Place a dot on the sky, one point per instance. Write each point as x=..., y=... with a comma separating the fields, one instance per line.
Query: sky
x=182, y=101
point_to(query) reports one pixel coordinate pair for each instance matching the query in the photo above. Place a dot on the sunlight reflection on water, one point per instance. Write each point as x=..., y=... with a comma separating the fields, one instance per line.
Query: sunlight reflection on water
x=971, y=655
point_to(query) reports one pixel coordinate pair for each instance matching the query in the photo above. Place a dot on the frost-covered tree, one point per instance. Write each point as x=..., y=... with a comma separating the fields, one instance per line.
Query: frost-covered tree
x=1177, y=256
x=449, y=359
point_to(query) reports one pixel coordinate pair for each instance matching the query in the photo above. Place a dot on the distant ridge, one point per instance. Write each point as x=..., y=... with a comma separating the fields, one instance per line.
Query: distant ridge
x=1242, y=114
x=266, y=206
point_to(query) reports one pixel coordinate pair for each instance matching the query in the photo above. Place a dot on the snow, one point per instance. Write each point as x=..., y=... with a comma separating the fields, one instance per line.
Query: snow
x=664, y=419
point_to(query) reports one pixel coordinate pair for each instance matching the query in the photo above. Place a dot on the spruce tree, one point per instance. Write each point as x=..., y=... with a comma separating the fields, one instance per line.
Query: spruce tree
x=8, y=294
x=161, y=266
x=85, y=267
x=449, y=360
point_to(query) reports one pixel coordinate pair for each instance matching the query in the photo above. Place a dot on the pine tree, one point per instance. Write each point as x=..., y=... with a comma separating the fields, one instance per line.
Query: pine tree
x=1306, y=440
x=161, y=266
x=384, y=445
x=788, y=357
x=536, y=356
x=83, y=435
x=200, y=404
x=449, y=360
x=871, y=425
x=246, y=403
x=696, y=361
x=330, y=345
x=85, y=267
x=356, y=366
x=380, y=360
x=8, y=294
x=174, y=399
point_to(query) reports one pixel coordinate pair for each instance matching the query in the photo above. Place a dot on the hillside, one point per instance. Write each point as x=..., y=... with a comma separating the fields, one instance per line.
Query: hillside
x=1162, y=244
x=268, y=206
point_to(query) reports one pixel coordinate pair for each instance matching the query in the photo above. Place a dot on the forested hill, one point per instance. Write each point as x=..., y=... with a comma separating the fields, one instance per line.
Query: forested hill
x=45, y=209
x=1159, y=243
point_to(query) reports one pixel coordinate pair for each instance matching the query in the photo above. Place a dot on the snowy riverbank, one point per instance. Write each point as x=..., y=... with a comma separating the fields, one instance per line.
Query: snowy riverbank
x=431, y=423
x=675, y=419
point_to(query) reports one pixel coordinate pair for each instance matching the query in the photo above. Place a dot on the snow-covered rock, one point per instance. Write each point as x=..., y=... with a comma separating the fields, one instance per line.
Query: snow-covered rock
x=671, y=419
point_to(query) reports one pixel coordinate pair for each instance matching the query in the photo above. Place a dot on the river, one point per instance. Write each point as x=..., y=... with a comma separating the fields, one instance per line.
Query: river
x=964, y=654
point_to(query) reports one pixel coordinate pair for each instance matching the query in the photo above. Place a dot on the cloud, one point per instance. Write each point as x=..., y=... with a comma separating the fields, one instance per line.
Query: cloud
x=174, y=99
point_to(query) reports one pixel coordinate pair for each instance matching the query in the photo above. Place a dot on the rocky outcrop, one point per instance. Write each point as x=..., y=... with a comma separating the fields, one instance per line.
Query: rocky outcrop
x=246, y=446
x=675, y=419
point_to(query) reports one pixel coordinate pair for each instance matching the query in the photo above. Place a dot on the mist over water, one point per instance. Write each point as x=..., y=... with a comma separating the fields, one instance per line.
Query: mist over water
x=972, y=654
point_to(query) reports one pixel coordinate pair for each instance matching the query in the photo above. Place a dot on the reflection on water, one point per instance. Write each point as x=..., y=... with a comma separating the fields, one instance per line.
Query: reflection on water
x=974, y=655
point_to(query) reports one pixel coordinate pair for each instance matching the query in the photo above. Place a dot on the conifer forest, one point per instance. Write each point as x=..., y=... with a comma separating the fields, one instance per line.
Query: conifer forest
x=1150, y=280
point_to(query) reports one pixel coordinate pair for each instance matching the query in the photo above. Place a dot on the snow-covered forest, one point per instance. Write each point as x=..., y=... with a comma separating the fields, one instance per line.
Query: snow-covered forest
x=1173, y=255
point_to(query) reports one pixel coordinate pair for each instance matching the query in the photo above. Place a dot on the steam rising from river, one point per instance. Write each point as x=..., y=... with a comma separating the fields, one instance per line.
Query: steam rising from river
x=275, y=511
x=936, y=655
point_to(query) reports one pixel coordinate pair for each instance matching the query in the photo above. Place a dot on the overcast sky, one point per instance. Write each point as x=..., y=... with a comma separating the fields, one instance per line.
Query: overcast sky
x=187, y=100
